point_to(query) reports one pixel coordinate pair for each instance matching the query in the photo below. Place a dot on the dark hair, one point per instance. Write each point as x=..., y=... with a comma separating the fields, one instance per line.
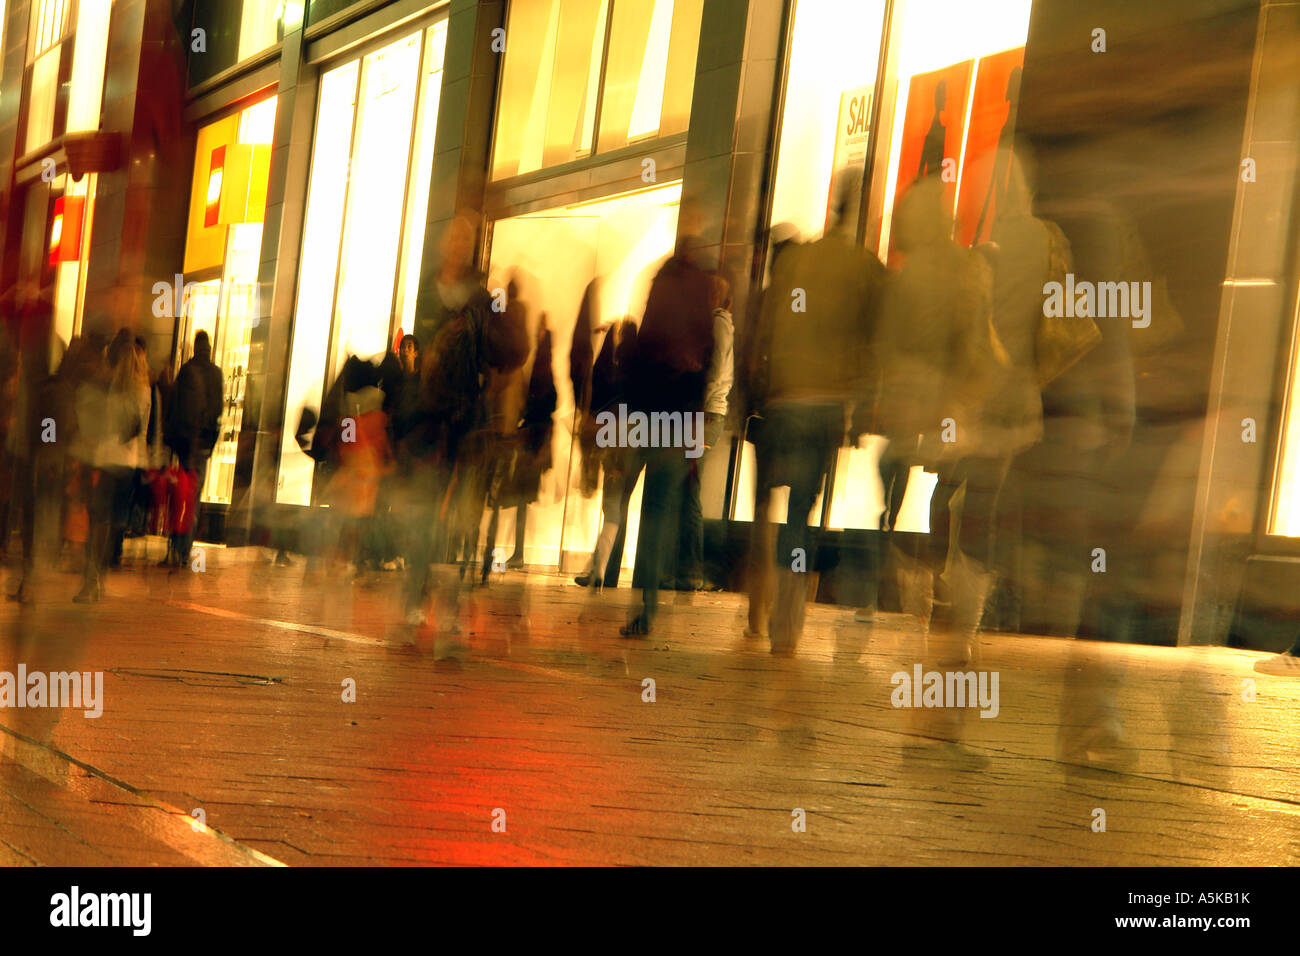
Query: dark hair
x=408, y=337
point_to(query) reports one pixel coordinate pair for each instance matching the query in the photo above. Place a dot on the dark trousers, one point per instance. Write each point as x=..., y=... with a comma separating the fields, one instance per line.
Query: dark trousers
x=625, y=489
x=687, y=570
x=184, y=543
x=661, y=502
x=983, y=478
x=110, y=501
x=802, y=437
x=426, y=488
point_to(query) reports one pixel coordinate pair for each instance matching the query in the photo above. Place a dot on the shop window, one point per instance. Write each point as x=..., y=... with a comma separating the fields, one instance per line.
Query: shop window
x=572, y=67
x=88, y=55
x=49, y=25
x=367, y=199
x=222, y=257
x=650, y=71
x=233, y=31
x=946, y=101
x=1284, y=517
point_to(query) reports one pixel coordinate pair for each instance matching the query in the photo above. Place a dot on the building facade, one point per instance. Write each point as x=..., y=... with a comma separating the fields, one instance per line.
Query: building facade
x=280, y=174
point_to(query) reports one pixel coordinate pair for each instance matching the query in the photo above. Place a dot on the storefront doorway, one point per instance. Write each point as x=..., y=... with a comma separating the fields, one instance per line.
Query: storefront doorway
x=620, y=241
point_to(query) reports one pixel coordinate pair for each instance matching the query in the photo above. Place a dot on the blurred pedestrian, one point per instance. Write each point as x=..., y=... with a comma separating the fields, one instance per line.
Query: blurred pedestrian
x=817, y=325
x=116, y=409
x=667, y=375
x=191, y=432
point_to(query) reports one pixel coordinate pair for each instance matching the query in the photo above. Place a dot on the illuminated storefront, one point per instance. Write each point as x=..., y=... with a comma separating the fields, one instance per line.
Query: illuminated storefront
x=222, y=254
x=947, y=67
x=372, y=159
x=584, y=82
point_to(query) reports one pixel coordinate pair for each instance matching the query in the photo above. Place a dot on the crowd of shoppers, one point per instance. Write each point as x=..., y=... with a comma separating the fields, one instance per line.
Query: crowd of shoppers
x=90, y=437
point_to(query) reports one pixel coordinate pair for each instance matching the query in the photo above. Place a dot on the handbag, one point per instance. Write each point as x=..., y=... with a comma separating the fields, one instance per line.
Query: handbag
x=1061, y=340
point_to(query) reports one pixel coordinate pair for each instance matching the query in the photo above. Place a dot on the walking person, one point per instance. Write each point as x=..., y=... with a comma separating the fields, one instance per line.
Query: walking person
x=667, y=376
x=530, y=437
x=961, y=388
x=465, y=345
x=116, y=408
x=754, y=354
x=817, y=325
x=689, y=575
x=608, y=391
x=191, y=432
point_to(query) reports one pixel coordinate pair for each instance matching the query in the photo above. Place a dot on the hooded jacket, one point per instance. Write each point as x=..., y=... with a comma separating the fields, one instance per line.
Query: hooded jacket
x=197, y=399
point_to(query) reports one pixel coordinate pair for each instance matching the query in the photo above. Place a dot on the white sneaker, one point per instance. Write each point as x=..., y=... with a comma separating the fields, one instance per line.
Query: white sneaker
x=864, y=615
x=417, y=618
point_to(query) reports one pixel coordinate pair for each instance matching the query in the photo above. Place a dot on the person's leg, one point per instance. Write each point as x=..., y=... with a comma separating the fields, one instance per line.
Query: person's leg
x=690, y=551
x=665, y=477
x=516, y=559
x=969, y=575
x=97, y=539
x=762, y=551
x=198, y=464
x=26, y=490
x=614, y=564
x=810, y=435
x=612, y=520
x=423, y=501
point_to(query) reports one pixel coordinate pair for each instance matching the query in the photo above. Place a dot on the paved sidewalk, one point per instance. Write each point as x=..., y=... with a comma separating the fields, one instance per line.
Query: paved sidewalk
x=224, y=692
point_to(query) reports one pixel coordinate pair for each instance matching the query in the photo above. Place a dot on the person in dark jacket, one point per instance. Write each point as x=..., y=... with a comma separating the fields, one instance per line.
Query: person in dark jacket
x=192, y=429
x=607, y=392
x=815, y=327
x=668, y=373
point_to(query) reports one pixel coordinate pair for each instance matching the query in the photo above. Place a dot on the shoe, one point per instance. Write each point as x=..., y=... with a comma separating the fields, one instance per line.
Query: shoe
x=582, y=580
x=89, y=594
x=1279, y=665
x=282, y=560
x=21, y=596
x=637, y=627
x=753, y=635
x=416, y=618
x=514, y=562
x=864, y=615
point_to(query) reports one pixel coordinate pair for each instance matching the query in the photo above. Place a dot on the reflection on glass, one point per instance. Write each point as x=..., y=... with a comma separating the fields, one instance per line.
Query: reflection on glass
x=548, y=88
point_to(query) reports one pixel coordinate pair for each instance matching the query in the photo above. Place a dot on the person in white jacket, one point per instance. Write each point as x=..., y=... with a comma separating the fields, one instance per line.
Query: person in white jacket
x=113, y=419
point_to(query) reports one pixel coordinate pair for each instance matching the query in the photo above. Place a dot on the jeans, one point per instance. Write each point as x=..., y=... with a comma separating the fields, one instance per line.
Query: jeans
x=802, y=438
x=661, y=502
x=110, y=499
x=427, y=487
x=983, y=478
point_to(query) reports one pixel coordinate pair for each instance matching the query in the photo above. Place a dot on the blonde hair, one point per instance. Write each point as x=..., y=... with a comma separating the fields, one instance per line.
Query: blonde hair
x=132, y=370
x=719, y=293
